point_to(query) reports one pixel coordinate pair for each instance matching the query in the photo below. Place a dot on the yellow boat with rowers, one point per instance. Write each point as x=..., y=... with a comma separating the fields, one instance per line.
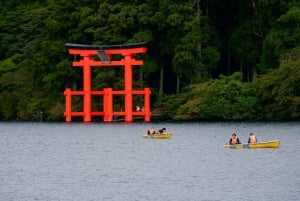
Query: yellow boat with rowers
x=158, y=136
x=267, y=144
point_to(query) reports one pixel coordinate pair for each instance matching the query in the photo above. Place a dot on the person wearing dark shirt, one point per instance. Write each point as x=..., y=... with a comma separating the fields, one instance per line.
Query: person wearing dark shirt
x=252, y=138
x=151, y=131
x=234, y=139
x=161, y=130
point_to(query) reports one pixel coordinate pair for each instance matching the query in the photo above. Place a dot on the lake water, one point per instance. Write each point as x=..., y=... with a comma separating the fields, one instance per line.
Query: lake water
x=111, y=162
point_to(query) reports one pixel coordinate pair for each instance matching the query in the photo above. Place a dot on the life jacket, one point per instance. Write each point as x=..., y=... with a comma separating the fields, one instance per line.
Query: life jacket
x=151, y=131
x=252, y=139
x=234, y=140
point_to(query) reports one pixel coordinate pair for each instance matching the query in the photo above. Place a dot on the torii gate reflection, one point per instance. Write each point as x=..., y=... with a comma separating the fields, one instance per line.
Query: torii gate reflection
x=87, y=53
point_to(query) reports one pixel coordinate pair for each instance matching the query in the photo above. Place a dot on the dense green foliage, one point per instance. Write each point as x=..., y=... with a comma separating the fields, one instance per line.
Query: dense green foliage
x=219, y=60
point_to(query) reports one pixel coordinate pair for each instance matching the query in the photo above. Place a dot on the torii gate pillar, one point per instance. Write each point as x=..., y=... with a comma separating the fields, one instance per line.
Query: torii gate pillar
x=87, y=98
x=128, y=88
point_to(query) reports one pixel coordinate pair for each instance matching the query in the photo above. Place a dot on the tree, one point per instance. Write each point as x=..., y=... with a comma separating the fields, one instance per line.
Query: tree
x=280, y=89
x=224, y=99
x=283, y=33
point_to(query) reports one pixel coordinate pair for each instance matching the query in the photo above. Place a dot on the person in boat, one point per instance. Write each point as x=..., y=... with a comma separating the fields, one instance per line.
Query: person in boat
x=160, y=131
x=234, y=139
x=151, y=131
x=252, y=138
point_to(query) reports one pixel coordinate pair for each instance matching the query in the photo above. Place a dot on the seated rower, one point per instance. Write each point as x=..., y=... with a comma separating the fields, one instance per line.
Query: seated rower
x=160, y=131
x=151, y=131
x=234, y=139
x=252, y=138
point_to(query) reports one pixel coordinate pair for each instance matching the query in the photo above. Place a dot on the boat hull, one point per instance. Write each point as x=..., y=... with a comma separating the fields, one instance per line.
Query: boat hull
x=158, y=136
x=268, y=144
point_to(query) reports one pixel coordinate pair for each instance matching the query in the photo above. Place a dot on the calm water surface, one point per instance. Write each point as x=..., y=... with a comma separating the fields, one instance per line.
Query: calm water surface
x=111, y=162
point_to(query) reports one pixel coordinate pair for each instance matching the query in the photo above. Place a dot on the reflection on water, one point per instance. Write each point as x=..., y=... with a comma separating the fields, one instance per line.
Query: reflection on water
x=97, y=161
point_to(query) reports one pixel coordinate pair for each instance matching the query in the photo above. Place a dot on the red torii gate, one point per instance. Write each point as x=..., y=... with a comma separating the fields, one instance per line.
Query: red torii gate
x=87, y=53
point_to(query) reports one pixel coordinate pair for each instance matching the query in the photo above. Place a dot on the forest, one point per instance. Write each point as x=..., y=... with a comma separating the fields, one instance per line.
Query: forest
x=205, y=60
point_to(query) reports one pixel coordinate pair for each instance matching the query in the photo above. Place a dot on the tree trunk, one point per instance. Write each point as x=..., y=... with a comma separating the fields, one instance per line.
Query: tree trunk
x=228, y=62
x=161, y=81
x=141, y=79
x=254, y=72
x=177, y=85
x=74, y=86
x=242, y=70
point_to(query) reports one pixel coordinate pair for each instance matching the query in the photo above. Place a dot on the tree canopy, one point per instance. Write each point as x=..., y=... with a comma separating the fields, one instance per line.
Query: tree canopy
x=224, y=60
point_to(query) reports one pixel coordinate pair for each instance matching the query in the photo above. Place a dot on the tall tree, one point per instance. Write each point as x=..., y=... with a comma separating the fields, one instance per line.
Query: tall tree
x=282, y=18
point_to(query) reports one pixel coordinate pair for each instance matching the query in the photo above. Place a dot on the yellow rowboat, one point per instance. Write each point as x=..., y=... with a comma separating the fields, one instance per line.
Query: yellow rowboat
x=268, y=144
x=159, y=136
